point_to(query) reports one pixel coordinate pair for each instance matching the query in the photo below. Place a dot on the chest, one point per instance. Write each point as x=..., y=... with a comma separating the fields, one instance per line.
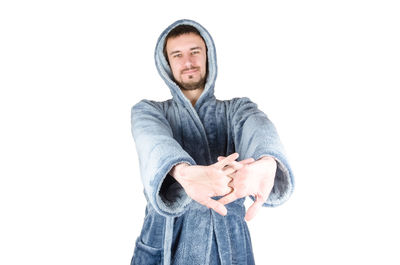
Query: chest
x=205, y=133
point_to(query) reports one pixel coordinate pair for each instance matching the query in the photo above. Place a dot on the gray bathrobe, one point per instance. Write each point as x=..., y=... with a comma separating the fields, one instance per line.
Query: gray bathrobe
x=176, y=229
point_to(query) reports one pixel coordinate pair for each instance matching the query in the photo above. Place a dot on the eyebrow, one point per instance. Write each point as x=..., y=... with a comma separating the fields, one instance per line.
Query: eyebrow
x=178, y=51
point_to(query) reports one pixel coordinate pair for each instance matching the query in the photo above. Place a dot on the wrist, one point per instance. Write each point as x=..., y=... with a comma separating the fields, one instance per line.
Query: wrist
x=270, y=158
x=176, y=171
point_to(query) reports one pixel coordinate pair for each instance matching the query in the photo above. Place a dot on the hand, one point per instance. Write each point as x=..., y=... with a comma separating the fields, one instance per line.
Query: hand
x=257, y=179
x=203, y=182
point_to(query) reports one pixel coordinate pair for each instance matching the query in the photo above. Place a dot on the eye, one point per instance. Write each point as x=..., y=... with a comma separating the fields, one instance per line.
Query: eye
x=177, y=55
x=195, y=52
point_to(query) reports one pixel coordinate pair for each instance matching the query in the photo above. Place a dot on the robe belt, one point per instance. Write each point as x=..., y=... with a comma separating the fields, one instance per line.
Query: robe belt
x=169, y=230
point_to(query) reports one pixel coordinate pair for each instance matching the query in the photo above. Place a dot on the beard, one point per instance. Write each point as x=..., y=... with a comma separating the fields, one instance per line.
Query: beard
x=192, y=85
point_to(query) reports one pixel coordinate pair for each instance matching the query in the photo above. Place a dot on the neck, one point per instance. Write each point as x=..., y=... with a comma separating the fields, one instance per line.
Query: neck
x=193, y=95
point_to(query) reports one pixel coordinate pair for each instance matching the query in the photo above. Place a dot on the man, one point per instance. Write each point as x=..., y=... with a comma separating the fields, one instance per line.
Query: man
x=199, y=158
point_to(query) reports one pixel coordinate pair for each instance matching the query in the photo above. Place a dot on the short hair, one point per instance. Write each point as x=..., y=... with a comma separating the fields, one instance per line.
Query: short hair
x=178, y=31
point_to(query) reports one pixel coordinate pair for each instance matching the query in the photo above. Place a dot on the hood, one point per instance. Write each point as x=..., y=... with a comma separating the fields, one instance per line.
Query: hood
x=165, y=71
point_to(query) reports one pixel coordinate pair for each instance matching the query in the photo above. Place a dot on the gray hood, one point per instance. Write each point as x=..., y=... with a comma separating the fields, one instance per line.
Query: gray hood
x=165, y=71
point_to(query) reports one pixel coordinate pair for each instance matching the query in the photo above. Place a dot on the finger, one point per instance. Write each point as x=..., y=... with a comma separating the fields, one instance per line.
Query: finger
x=228, y=198
x=243, y=162
x=216, y=206
x=247, y=161
x=228, y=183
x=221, y=158
x=226, y=161
x=230, y=190
x=254, y=208
x=229, y=170
x=234, y=166
x=224, y=191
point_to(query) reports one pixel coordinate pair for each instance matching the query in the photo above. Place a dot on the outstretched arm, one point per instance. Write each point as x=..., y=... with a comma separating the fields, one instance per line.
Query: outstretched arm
x=255, y=136
x=158, y=153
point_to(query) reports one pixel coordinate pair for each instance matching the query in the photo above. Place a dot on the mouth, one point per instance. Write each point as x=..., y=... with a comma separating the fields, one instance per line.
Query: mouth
x=190, y=71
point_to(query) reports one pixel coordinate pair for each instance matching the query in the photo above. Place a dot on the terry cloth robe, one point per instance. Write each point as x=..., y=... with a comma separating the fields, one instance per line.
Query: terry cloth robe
x=176, y=229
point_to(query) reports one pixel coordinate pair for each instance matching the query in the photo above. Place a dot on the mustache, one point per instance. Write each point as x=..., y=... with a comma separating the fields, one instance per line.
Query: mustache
x=190, y=69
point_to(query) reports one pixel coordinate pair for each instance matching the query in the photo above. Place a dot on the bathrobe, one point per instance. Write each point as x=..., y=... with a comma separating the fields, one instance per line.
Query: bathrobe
x=177, y=230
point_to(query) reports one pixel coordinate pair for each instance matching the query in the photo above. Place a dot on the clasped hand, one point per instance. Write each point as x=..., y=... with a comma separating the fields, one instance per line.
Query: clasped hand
x=228, y=178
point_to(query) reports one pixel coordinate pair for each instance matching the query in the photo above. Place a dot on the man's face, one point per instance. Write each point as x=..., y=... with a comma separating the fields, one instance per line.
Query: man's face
x=187, y=57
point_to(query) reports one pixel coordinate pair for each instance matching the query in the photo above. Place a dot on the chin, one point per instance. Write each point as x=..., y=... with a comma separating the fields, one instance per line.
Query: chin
x=191, y=81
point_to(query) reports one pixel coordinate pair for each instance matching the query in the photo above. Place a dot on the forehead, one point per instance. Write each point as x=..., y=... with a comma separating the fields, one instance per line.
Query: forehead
x=184, y=41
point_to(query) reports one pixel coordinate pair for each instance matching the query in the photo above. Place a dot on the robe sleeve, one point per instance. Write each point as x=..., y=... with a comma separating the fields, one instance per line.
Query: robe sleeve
x=255, y=136
x=158, y=153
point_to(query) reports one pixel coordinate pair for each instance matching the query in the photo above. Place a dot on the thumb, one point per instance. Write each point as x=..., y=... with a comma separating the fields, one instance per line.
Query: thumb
x=254, y=208
x=247, y=161
x=216, y=206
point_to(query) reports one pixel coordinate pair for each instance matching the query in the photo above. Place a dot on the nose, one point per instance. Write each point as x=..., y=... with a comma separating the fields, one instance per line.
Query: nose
x=188, y=62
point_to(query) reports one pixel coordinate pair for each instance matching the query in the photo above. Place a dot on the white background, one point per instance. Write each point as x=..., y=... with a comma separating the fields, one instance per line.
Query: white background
x=325, y=72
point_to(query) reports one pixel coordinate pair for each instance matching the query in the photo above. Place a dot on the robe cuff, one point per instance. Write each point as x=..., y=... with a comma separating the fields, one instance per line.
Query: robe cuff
x=283, y=183
x=170, y=197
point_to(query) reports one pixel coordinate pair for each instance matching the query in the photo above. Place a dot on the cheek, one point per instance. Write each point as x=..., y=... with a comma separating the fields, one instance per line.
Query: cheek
x=204, y=62
x=175, y=69
x=204, y=71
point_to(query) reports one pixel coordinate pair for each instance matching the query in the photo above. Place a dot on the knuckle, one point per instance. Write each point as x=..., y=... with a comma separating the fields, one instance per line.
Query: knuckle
x=220, y=190
x=241, y=186
x=220, y=182
x=245, y=169
x=241, y=194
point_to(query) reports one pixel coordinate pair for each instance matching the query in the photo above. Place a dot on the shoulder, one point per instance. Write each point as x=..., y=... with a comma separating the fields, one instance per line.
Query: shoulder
x=235, y=104
x=146, y=104
x=236, y=100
